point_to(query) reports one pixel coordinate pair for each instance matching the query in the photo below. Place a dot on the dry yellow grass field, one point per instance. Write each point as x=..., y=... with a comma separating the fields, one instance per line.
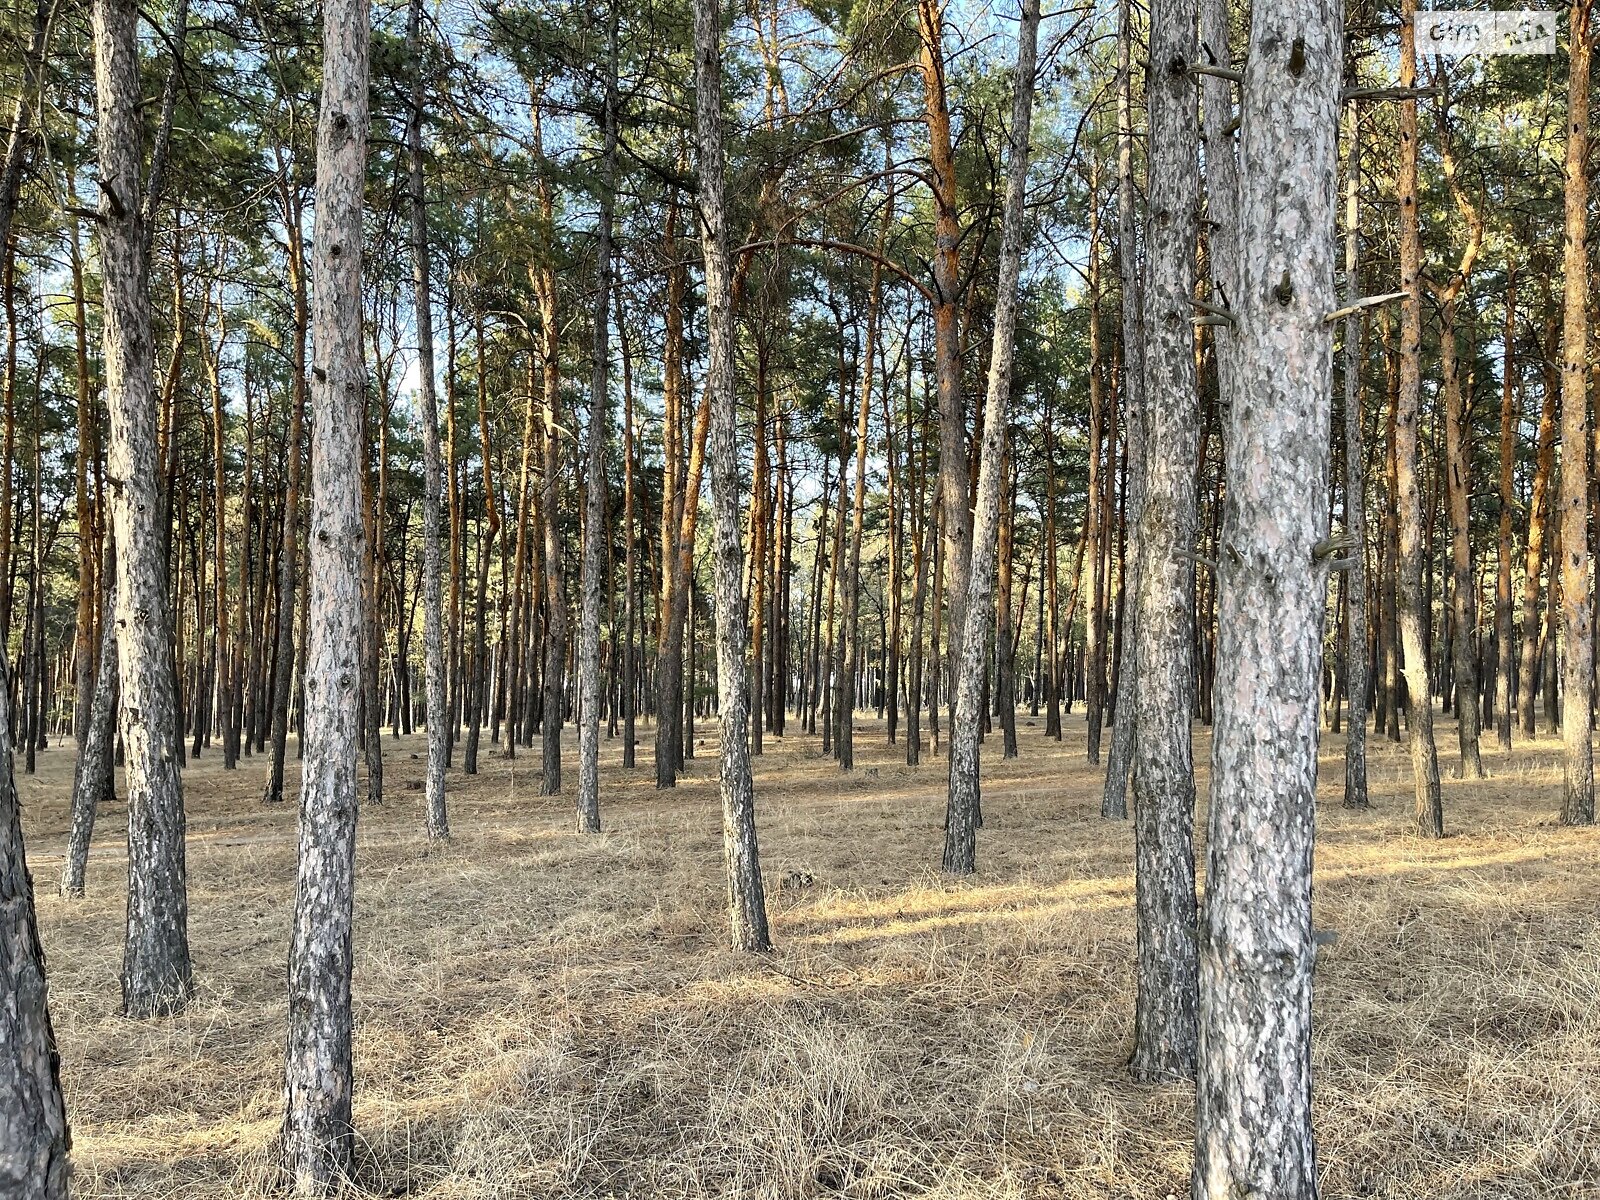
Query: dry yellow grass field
x=545, y=1015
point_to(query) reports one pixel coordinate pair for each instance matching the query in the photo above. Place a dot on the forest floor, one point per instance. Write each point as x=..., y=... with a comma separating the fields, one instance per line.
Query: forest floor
x=541, y=1014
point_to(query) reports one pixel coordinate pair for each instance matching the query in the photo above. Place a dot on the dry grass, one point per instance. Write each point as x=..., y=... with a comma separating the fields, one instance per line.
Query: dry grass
x=540, y=1014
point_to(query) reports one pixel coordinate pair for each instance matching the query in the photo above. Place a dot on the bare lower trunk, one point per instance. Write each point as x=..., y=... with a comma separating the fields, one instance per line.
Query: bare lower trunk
x=1163, y=592
x=971, y=638
x=1253, y=1086
x=595, y=532
x=746, y=903
x=34, y=1139
x=1114, y=802
x=1410, y=613
x=91, y=774
x=318, y=1136
x=1355, y=499
x=1577, y=717
x=1504, y=642
x=437, y=821
x=156, y=974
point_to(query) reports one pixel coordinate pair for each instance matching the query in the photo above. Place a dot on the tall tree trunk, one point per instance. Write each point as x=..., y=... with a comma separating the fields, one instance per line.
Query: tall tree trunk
x=34, y=1138
x=1577, y=715
x=91, y=773
x=1355, y=483
x=954, y=464
x=318, y=1135
x=1163, y=772
x=156, y=974
x=746, y=903
x=1410, y=611
x=1114, y=802
x=630, y=649
x=437, y=820
x=555, y=635
x=962, y=813
x=289, y=553
x=1099, y=528
x=1253, y=1087
x=1504, y=641
x=596, y=534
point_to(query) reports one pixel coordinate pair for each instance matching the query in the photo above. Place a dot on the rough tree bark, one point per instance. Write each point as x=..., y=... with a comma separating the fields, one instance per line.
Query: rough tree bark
x=91, y=773
x=971, y=638
x=1410, y=614
x=437, y=820
x=1577, y=715
x=34, y=1138
x=318, y=1136
x=156, y=974
x=1253, y=1089
x=746, y=904
x=1163, y=772
x=1355, y=484
x=1114, y=801
x=595, y=532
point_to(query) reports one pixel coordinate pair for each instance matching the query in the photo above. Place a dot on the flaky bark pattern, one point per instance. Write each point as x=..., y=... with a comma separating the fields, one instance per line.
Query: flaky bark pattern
x=34, y=1139
x=318, y=1137
x=966, y=731
x=1253, y=1083
x=91, y=773
x=1577, y=632
x=1409, y=611
x=1114, y=801
x=746, y=904
x=437, y=818
x=595, y=533
x=1163, y=772
x=156, y=975
x=1355, y=484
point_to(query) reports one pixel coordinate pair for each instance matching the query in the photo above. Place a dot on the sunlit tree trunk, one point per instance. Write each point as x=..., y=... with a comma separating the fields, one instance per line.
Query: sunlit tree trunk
x=1114, y=802
x=318, y=1143
x=746, y=903
x=970, y=638
x=1577, y=716
x=1163, y=583
x=436, y=820
x=596, y=534
x=156, y=974
x=1253, y=1084
x=1410, y=612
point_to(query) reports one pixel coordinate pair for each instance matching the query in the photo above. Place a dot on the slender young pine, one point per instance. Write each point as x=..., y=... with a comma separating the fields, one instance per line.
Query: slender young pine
x=1355, y=501
x=1577, y=631
x=1114, y=802
x=961, y=813
x=595, y=533
x=437, y=819
x=1408, y=501
x=747, y=909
